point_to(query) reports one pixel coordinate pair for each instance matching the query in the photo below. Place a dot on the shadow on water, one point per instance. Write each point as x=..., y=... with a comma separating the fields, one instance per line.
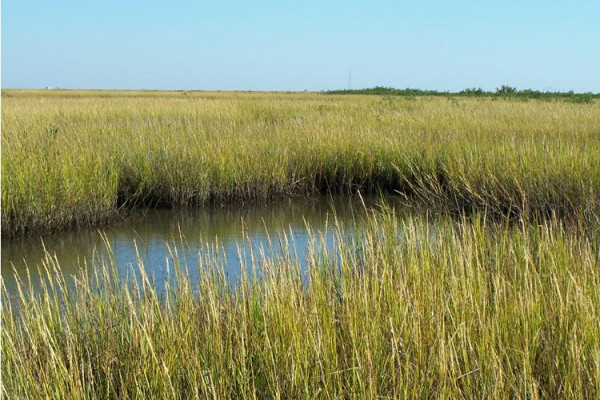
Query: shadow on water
x=237, y=230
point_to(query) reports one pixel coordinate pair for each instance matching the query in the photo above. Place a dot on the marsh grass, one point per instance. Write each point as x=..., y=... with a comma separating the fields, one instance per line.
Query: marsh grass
x=77, y=158
x=404, y=308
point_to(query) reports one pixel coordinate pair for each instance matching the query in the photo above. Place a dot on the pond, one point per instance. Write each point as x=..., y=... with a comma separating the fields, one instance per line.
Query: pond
x=148, y=234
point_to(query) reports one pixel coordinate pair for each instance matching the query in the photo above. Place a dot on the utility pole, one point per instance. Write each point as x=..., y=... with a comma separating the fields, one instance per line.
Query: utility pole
x=349, y=79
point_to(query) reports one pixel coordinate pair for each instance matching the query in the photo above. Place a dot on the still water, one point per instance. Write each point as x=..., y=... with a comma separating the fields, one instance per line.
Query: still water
x=238, y=230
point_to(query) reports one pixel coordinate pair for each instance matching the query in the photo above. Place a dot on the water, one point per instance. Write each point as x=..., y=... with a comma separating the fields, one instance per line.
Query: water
x=150, y=232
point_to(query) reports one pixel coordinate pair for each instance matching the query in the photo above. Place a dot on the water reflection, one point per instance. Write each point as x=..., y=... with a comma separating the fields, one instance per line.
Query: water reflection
x=148, y=233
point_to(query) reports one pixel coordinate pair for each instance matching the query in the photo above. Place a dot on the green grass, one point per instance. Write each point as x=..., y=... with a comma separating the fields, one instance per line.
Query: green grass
x=405, y=309
x=81, y=158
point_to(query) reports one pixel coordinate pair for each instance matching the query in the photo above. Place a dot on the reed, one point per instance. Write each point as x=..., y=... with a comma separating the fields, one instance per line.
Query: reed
x=404, y=308
x=80, y=158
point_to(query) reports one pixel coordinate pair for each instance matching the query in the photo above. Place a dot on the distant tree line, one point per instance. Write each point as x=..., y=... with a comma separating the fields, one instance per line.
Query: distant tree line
x=504, y=91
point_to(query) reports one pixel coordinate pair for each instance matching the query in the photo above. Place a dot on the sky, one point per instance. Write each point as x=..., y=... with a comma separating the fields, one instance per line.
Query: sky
x=308, y=45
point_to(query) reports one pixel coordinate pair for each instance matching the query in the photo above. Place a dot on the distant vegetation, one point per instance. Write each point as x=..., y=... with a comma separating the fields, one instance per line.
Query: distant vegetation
x=83, y=158
x=504, y=91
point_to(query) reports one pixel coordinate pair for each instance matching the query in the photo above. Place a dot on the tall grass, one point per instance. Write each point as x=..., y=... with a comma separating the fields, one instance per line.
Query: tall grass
x=403, y=309
x=82, y=158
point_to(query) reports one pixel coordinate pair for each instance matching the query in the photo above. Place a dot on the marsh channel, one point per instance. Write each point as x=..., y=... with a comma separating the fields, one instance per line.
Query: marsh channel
x=152, y=236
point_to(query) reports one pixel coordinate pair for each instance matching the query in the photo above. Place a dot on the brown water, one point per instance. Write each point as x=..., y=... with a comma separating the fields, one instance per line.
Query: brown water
x=235, y=228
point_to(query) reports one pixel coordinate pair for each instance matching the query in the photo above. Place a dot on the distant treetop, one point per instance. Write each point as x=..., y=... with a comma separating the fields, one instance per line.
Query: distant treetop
x=502, y=91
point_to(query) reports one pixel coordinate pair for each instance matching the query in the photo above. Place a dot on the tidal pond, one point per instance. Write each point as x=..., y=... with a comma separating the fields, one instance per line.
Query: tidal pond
x=150, y=236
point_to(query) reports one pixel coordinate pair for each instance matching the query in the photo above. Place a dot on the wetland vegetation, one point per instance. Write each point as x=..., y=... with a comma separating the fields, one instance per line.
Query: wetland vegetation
x=488, y=288
x=403, y=309
x=82, y=158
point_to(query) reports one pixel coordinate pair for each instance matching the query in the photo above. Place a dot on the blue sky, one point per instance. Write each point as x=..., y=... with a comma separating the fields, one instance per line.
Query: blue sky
x=281, y=45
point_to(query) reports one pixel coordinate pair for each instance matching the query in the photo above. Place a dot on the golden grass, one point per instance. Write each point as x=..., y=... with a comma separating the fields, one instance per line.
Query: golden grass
x=75, y=158
x=404, y=309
